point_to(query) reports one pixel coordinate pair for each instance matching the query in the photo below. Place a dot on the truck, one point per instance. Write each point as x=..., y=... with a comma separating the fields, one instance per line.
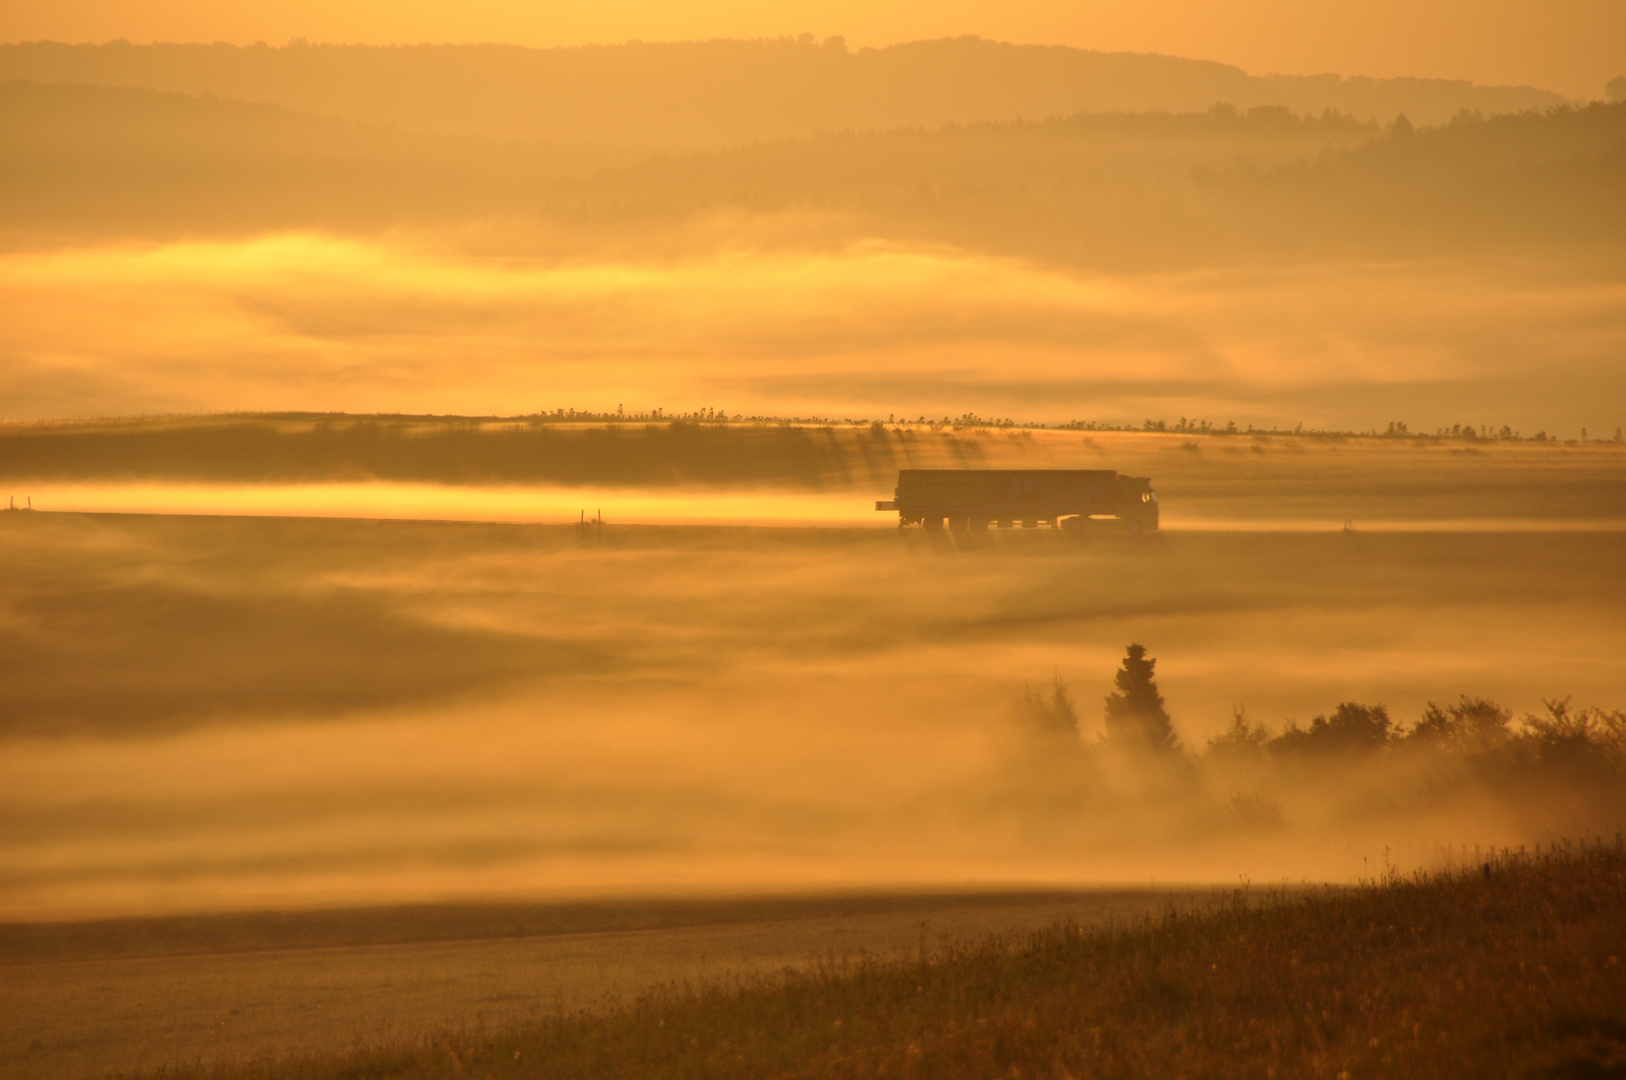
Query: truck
x=1060, y=498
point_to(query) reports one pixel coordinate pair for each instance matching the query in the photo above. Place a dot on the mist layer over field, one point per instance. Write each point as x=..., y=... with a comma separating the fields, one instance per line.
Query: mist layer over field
x=239, y=712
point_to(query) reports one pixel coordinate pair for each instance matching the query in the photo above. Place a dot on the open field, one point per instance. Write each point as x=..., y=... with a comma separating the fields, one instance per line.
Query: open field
x=75, y=998
x=1510, y=971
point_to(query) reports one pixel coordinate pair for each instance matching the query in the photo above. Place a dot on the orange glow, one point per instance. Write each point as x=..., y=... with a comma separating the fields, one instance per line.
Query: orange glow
x=643, y=506
x=308, y=321
x=465, y=503
x=440, y=447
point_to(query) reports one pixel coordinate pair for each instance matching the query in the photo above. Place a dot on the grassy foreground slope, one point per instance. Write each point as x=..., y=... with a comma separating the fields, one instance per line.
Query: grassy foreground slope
x=1506, y=972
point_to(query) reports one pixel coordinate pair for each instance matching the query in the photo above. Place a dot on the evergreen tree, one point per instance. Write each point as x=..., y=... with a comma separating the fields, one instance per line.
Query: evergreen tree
x=1136, y=719
x=1053, y=715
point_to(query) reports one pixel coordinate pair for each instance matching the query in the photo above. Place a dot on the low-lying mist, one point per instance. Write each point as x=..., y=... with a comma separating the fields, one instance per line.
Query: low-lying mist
x=233, y=712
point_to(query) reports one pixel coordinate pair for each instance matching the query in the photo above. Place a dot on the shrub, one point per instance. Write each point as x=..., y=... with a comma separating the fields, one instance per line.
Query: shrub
x=1351, y=729
x=1472, y=725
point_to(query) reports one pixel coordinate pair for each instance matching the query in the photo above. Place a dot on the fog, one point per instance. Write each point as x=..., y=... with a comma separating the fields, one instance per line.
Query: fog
x=453, y=469
x=239, y=712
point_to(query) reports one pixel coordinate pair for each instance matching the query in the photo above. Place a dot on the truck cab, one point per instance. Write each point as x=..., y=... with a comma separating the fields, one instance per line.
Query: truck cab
x=1137, y=503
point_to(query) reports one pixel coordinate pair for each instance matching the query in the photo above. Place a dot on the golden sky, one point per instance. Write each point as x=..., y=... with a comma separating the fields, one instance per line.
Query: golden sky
x=1571, y=46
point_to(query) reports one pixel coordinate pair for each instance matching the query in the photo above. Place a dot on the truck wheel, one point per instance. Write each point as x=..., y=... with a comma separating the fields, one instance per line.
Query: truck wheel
x=933, y=524
x=1132, y=527
x=979, y=524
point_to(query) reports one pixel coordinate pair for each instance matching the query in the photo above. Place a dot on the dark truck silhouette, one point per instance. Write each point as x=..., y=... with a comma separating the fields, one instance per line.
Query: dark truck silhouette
x=1064, y=498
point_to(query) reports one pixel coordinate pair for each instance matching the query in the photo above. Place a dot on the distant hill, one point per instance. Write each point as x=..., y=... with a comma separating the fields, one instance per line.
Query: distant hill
x=699, y=95
x=95, y=160
x=1119, y=190
x=1159, y=190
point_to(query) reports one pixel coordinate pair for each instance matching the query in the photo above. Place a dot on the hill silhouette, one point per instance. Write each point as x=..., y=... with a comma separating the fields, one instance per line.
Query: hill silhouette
x=1161, y=190
x=93, y=159
x=697, y=95
x=1109, y=190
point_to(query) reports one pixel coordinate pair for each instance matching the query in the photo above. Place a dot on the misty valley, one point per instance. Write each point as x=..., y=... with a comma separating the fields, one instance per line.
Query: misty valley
x=803, y=558
x=333, y=714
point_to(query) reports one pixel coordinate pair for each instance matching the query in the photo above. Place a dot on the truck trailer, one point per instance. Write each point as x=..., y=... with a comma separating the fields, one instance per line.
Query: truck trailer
x=1060, y=498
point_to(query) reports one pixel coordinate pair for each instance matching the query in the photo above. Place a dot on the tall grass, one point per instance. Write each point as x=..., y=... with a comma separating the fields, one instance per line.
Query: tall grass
x=1510, y=968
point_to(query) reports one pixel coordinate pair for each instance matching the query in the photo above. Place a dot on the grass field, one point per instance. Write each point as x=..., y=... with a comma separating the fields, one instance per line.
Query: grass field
x=77, y=998
x=1510, y=971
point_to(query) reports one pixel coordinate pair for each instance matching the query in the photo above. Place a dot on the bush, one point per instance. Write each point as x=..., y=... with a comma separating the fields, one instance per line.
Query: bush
x=1351, y=729
x=1472, y=725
